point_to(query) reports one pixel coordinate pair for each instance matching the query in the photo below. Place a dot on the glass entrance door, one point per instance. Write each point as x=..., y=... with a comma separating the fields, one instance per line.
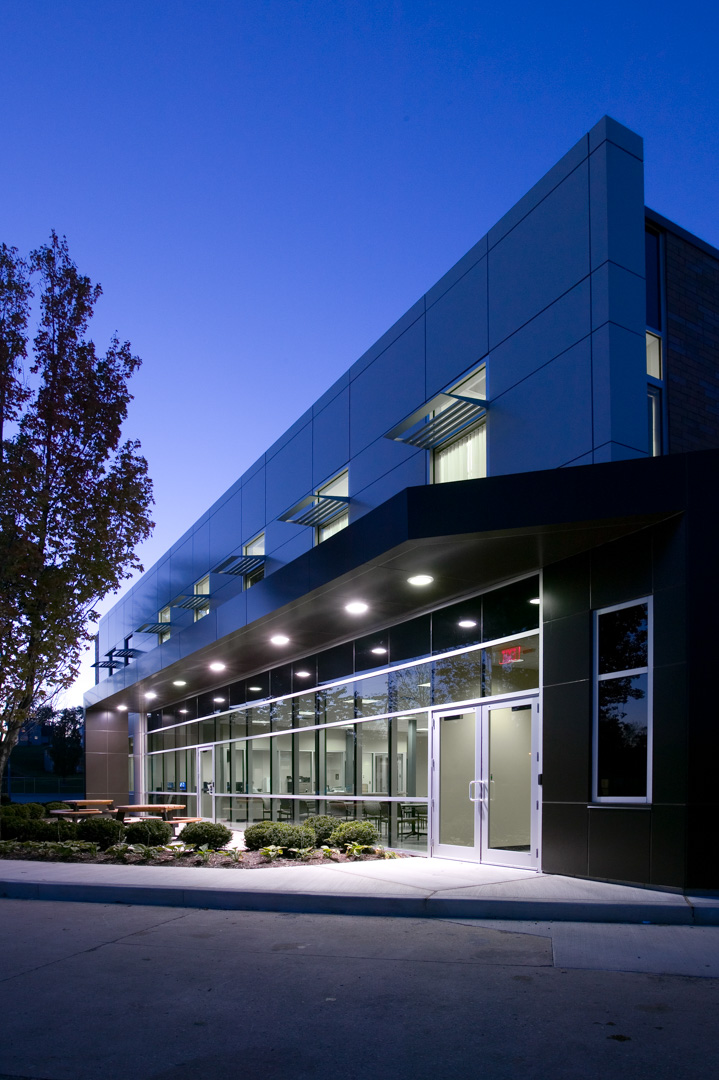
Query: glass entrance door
x=485, y=783
x=206, y=782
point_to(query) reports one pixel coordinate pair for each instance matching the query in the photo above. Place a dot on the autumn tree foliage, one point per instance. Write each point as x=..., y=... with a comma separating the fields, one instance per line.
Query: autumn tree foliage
x=74, y=498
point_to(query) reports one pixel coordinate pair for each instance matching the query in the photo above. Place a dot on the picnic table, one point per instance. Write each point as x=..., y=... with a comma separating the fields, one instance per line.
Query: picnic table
x=88, y=811
x=165, y=809
x=103, y=805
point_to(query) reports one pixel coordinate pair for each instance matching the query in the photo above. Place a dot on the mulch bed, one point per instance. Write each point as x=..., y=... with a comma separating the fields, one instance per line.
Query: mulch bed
x=251, y=860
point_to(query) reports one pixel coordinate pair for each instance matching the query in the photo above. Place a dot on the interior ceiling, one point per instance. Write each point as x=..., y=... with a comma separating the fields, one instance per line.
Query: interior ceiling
x=460, y=565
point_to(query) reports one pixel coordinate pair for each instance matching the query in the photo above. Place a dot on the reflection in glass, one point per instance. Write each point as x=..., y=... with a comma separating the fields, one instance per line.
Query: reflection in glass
x=412, y=754
x=339, y=758
x=304, y=710
x=258, y=720
x=508, y=610
x=156, y=780
x=371, y=696
x=623, y=640
x=373, y=740
x=458, y=678
x=282, y=715
x=336, y=704
x=511, y=667
x=411, y=688
x=622, y=737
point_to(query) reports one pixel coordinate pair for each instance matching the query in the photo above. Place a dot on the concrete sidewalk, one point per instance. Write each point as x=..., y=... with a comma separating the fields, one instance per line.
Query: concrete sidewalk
x=416, y=887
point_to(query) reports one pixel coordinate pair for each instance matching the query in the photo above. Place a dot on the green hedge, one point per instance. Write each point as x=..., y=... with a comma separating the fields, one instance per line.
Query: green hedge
x=280, y=834
x=101, y=831
x=16, y=827
x=353, y=832
x=152, y=832
x=212, y=833
x=322, y=825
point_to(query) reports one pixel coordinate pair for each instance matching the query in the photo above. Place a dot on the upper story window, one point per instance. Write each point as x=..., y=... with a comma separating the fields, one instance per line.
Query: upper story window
x=623, y=703
x=202, y=588
x=255, y=547
x=655, y=357
x=164, y=616
x=337, y=488
x=464, y=457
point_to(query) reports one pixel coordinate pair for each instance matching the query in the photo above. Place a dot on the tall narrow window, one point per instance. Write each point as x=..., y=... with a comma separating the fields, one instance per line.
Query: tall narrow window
x=655, y=358
x=164, y=617
x=202, y=588
x=255, y=547
x=623, y=703
x=337, y=488
x=464, y=457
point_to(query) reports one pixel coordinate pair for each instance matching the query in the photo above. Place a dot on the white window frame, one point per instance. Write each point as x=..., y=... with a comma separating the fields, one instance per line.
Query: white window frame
x=641, y=800
x=322, y=490
x=200, y=590
x=251, y=579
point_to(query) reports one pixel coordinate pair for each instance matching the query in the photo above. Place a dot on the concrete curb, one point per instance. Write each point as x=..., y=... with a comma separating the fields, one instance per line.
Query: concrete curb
x=532, y=910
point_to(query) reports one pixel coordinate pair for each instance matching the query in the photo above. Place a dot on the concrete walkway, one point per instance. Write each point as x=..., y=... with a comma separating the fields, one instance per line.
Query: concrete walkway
x=416, y=887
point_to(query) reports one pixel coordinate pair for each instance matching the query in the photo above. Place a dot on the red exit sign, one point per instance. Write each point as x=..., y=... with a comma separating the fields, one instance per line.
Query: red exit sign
x=511, y=656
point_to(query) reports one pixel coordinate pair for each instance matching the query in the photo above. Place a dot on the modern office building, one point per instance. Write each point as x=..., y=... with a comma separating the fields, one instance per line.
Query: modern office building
x=467, y=595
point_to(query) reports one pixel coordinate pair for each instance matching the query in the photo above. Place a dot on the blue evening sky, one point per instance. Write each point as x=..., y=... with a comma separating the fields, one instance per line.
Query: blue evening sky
x=263, y=186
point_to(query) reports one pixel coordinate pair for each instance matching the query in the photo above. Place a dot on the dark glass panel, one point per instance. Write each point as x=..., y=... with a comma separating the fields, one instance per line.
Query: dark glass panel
x=335, y=663
x=193, y=734
x=236, y=693
x=304, y=673
x=213, y=701
x=207, y=730
x=623, y=640
x=371, y=696
x=224, y=727
x=154, y=720
x=169, y=741
x=156, y=764
x=509, y=611
x=187, y=710
x=155, y=741
x=258, y=687
x=372, y=651
x=622, y=737
x=457, y=626
x=181, y=735
x=281, y=681
x=510, y=667
x=282, y=766
x=654, y=294
x=410, y=640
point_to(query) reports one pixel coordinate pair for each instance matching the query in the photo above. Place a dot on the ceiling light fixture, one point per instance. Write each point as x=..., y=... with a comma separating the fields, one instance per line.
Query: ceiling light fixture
x=122, y=708
x=280, y=639
x=183, y=712
x=302, y=674
x=535, y=600
x=357, y=607
x=179, y=682
x=255, y=688
x=219, y=700
x=149, y=696
x=379, y=651
x=420, y=579
x=217, y=666
x=467, y=624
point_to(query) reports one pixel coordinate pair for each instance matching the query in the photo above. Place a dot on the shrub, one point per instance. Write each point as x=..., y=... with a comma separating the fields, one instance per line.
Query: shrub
x=212, y=833
x=152, y=831
x=101, y=831
x=21, y=828
x=34, y=809
x=278, y=834
x=354, y=832
x=322, y=825
x=57, y=806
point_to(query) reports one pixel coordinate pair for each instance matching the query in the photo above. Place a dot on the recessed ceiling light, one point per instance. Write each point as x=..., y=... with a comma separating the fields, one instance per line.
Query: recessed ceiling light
x=254, y=688
x=357, y=607
x=149, y=696
x=421, y=579
x=302, y=674
x=183, y=712
x=122, y=708
x=306, y=713
x=467, y=624
x=379, y=650
x=217, y=666
x=280, y=639
x=219, y=700
x=179, y=682
x=535, y=600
